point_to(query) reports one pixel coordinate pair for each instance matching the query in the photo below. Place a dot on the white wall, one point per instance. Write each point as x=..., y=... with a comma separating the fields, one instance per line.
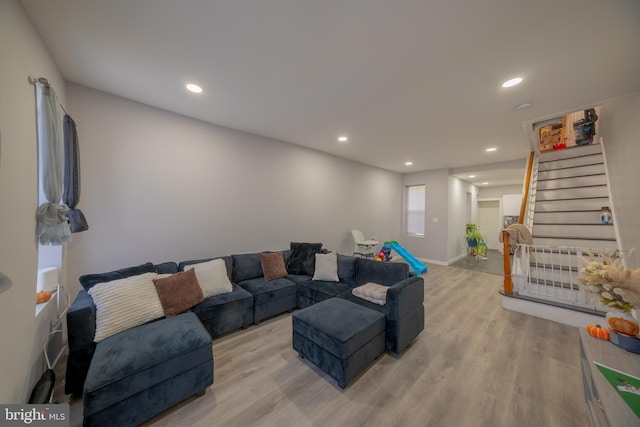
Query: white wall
x=158, y=187
x=620, y=129
x=22, y=53
x=498, y=191
x=433, y=245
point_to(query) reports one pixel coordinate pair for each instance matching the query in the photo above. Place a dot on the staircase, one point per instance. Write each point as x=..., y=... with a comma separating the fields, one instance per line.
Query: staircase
x=568, y=190
x=571, y=188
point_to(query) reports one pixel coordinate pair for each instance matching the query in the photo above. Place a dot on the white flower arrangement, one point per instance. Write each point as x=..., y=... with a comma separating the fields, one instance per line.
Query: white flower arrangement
x=606, y=275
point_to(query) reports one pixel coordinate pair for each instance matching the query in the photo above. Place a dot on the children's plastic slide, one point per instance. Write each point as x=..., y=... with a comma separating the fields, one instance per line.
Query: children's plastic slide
x=417, y=266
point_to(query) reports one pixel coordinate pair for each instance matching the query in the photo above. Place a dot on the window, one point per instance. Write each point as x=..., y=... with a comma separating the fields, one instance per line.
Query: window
x=415, y=210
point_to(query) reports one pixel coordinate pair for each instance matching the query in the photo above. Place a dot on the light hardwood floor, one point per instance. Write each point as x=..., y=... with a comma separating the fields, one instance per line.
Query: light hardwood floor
x=475, y=364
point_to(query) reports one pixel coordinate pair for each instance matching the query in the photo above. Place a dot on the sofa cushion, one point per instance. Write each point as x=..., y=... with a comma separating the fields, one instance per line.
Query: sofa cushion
x=382, y=273
x=264, y=291
x=212, y=277
x=166, y=268
x=246, y=266
x=125, y=303
x=319, y=290
x=347, y=269
x=326, y=267
x=89, y=280
x=298, y=278
x=178, y=292
x=302, y=259
x=237, y=299
x=273, y=266
x=227, y=261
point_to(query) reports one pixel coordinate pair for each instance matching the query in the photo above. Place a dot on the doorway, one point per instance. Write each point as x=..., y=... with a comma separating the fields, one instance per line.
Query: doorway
x=489, y=222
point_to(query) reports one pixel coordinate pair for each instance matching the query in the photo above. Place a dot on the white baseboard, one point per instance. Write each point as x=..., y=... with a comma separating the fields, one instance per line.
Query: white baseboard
x=456, y=259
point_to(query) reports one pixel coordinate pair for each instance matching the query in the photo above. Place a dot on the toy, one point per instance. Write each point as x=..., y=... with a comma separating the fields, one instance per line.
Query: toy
x=384, y=254
x=598, y=332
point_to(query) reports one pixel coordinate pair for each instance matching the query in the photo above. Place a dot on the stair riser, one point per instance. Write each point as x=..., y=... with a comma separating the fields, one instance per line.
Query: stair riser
x=570, y=163
x=572, y=231
x=591, y=218
x=571, y=205
x=580, y=181
x=572, y=193
x=572, y=172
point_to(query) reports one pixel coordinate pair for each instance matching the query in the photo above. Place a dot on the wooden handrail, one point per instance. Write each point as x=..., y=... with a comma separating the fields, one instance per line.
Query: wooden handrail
x=525, y=193
x=508, y=283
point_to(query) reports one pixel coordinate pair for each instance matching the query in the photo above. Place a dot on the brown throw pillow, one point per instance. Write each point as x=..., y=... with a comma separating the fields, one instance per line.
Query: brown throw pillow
x=273, y=265
x=178, y=292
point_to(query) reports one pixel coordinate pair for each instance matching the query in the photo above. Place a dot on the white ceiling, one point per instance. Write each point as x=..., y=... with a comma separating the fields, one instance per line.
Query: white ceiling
x=405, y=80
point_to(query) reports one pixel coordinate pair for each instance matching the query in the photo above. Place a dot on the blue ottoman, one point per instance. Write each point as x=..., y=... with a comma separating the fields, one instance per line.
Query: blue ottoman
x=339, y=337
x=138, y=373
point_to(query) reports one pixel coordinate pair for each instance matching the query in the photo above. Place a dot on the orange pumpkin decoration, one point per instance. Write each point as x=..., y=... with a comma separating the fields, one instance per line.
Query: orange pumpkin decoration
x=598, y=332
x=43, y=296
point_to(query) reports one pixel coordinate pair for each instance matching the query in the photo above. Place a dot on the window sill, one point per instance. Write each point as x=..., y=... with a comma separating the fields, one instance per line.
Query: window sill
x=41, y=307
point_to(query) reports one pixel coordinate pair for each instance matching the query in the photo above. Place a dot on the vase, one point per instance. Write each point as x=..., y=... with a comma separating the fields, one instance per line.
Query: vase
x=623, y=322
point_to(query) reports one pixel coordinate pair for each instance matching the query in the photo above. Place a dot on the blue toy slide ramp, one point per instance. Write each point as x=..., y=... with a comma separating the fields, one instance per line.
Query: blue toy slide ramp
x=417, y=266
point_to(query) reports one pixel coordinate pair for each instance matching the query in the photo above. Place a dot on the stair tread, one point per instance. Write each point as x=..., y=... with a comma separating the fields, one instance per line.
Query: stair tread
x=574, y=238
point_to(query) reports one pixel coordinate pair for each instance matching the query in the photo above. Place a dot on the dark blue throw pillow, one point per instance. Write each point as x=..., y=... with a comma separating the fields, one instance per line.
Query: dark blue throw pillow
x=303, y=258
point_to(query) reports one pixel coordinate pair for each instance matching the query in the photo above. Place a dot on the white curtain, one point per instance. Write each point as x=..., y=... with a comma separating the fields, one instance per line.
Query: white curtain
x=52, y=226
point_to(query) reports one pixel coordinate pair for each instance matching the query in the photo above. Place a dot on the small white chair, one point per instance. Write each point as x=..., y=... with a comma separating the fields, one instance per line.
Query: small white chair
x=362, y=247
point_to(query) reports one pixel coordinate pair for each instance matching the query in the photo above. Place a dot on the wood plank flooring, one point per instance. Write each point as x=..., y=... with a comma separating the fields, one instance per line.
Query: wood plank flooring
x=475, y=364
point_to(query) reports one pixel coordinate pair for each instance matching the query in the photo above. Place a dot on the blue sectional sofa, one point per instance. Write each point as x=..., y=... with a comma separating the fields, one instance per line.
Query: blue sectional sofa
x=254, y=298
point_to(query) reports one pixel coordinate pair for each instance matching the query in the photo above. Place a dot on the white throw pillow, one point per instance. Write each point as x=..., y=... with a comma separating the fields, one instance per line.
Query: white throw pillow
x=326, y=267
x=125, y=303
x=212, y=277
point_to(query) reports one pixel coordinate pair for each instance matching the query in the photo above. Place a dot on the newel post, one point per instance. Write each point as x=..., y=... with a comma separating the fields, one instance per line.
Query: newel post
x=508, y=284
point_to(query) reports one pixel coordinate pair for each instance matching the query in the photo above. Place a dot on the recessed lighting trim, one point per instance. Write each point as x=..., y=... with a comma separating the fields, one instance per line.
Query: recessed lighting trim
x=192, y=87
x=490, y=149
x=485, y=183
x=512, y=82
x=343, y=138
x=523, y=106
x=408, y=163
x=472, y=176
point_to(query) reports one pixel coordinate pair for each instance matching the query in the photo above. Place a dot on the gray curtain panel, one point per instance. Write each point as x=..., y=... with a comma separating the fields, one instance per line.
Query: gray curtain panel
x=52, y=226
x=71, y=195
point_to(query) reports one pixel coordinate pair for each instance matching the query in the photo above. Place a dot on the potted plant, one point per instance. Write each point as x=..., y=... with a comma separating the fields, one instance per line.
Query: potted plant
x=473, y=236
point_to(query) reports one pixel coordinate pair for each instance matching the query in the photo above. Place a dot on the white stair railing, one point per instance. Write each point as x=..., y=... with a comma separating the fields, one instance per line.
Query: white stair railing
x=550, y=274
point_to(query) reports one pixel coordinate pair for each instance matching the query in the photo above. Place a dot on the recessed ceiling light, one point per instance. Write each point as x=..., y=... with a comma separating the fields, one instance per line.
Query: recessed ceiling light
x=512, y=82
x=343, y=139
x=485, y=183
x=408, y=163
x=490, y=149
x=192, y=87
x=472, y=176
